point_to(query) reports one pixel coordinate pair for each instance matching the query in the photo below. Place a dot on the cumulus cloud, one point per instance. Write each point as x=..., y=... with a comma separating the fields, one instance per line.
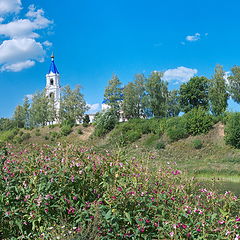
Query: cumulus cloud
x=96, y=107
x=21, y=50
x=10, y=6
x=17, y=67
x=179, y=74
x=194, y=37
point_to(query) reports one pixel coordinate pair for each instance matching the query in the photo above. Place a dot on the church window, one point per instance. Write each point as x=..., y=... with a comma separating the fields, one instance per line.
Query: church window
x=51, y=81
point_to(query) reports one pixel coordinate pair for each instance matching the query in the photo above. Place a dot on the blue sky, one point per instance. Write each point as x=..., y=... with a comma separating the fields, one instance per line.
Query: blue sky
x=93, y=39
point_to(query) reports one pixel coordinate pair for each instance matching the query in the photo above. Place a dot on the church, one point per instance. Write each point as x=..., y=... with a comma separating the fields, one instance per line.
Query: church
x=53, y=87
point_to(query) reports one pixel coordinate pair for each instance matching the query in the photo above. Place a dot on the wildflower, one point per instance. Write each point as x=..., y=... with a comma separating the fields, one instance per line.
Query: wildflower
x=184, y=226
x=198, y=230
x=119, y=189
x=171, y=234
x=237, y=219
x=221, y=222
x=46, y=210
x=75, y=198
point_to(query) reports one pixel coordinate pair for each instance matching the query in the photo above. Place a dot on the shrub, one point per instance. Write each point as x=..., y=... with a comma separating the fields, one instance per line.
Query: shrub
x=160, y=145
x=176, y=128
x=46, y=137
x=197, y=144
x=69, y=122
x=105, y=122
x=26, y=136
x=52, y=126
x=37, y=133
x=232, y=130
x=198, y=121
x=18, y=139
x=132, y=136
x=79, y=131
x=85, y=125
x=66, y=130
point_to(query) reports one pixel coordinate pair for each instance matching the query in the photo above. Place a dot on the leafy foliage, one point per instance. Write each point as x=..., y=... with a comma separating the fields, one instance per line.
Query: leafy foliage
x=198, y=121
x=105, y=122
x=232, y=130
x=218, y=95
x=234, y=84
x=194, y=94
x=73, y=105
x=112, y=197
x=157, y=94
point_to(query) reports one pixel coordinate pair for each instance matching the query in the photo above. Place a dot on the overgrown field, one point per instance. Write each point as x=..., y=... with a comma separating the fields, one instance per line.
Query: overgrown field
x=71, y=192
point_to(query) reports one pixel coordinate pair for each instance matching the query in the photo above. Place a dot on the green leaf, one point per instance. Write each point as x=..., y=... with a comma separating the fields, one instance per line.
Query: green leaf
x=128, y=217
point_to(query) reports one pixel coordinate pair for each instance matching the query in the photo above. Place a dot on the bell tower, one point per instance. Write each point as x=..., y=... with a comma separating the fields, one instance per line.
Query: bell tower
x=53, y=88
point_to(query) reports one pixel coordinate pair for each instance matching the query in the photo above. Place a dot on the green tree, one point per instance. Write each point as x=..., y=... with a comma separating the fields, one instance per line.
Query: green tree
x=218, y=95
x=194, y=94
x=73, y=105
x=51, y=110
x=26, y=108
x=113, y=94
x=133, y=98
x=19, y=116
x=234, y=84
x=6, y=124
x=39, y=109
x=157, y=94
x=173, y=106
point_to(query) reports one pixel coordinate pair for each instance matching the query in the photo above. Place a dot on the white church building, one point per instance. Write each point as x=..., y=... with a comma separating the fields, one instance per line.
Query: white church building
x=53, y=87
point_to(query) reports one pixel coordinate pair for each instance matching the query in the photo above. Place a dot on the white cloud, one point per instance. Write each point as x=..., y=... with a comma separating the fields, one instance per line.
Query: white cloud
x=47, y=44
x=96, y=107
x=17, y=67
x=194, y=37
x=10, y=6
x=179, y=74
x=20, y=50
x=26, y=27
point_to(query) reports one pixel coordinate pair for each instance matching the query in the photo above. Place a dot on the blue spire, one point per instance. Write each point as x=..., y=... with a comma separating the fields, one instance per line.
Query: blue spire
x=53, y=68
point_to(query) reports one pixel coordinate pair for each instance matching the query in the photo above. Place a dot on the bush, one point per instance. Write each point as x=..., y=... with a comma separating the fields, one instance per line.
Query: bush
x=105, y=122
x=69, y=122
x=232, y=130
x=160, y=145
x=66, y=130
x=85, y=125
x=79, y=131
x=18, y=139
x=46, y=137
x=132, y=136
x=198, y=121
x=197, y=144
x=26, y=136
x=176, y=129
x=37, y=133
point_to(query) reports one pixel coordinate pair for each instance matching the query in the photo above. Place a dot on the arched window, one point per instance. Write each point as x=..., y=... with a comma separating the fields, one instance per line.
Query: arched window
x=51, y=81
x=51, y=95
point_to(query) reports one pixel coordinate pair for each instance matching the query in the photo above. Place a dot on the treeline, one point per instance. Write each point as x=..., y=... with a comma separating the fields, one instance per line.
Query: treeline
x=148, y=97
x=42, y=110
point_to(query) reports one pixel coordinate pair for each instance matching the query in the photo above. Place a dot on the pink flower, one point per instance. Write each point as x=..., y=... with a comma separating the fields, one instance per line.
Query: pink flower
x=184, y=226
x=198, y=230
x=113, y=197
x=171, y=234
x=119, y=189
x=221, y=222
x=237, y=219
x=46, y=210
x=75, y=198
